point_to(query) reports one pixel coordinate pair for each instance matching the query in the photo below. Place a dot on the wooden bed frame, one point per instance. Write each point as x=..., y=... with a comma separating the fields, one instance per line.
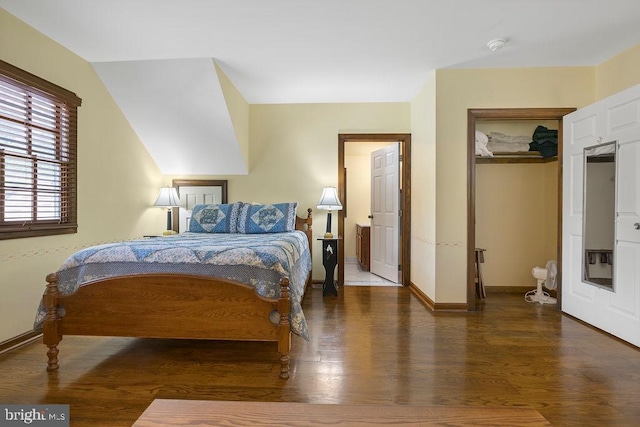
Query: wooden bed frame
x=170, y=306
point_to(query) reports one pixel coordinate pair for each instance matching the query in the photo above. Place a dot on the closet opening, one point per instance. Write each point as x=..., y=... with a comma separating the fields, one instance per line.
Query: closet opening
x=514, y=198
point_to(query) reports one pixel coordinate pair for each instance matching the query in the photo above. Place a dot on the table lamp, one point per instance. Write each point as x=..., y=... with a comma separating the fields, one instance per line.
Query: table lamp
x=168, y=198
x=330, y=202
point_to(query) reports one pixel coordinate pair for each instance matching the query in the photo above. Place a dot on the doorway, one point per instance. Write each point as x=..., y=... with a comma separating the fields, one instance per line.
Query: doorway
x=405, y=197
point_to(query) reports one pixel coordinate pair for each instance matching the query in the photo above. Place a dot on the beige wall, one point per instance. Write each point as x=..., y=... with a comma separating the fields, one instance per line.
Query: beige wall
x=618, y=73
x=423, y=188
x=294, y=153
x=550, y=213
x=457, y=91
x=359, y=196
x=513, y=208
x=117, y=179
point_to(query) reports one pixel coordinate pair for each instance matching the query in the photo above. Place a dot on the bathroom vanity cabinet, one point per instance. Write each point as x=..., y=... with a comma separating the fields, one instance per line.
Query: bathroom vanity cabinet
x=363, y=233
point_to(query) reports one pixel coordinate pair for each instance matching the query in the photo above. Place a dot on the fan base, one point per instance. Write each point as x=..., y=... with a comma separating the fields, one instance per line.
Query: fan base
x=544, y=298
x=539, y=296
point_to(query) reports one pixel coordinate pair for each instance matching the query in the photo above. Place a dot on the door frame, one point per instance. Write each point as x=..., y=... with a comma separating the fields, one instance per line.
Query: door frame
x=474, y=114
x=405, y=196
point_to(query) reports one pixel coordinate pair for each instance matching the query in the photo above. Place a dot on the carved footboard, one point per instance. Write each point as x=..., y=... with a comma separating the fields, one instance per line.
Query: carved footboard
x=160, y=305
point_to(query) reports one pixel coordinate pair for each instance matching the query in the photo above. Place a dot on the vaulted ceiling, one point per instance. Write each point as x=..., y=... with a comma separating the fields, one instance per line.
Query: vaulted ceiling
x=163, y=60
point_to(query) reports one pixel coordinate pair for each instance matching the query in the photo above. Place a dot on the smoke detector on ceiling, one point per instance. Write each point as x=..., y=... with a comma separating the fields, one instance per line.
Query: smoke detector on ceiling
x=496, y=44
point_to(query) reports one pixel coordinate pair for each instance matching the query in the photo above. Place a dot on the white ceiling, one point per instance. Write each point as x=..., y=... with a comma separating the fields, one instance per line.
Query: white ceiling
x=298, y=51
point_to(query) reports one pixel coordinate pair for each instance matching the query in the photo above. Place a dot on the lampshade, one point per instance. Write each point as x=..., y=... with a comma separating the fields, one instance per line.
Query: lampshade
x=167, y=198
x=329, y=200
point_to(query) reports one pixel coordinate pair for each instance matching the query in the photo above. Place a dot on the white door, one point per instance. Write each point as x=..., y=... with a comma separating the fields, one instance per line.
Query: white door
x=385, y=221
x=617, y=310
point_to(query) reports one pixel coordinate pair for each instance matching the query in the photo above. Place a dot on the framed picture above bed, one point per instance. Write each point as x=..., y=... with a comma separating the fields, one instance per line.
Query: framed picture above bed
x=193, y=192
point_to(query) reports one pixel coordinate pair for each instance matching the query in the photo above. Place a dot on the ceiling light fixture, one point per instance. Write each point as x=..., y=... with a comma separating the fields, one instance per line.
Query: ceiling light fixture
x=496, y=44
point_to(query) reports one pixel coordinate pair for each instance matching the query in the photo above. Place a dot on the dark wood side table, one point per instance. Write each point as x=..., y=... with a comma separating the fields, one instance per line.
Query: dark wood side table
x=329, y=260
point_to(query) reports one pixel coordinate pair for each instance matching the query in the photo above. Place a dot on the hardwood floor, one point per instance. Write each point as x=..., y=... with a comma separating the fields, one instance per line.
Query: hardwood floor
x=371, y=345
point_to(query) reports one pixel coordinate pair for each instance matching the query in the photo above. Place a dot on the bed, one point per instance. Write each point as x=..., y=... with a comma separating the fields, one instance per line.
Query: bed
x=224, y=284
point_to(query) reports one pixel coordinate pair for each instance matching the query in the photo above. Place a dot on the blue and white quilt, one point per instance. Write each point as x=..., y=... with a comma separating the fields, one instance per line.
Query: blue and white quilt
x=259, y=260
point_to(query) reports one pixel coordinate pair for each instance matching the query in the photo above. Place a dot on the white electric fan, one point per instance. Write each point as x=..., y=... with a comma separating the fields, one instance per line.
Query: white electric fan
x=546, y=276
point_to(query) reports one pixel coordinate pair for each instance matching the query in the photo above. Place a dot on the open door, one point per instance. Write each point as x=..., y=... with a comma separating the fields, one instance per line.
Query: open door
x=385, y=212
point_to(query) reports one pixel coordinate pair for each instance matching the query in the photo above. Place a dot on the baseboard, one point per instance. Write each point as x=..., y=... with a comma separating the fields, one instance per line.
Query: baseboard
x=508, y=289
x=516, y=290
x=19, y=341
x=422, y=297
x=433, y=306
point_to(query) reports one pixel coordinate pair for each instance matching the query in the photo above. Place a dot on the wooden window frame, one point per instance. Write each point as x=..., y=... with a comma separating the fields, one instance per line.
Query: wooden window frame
x=54, y=148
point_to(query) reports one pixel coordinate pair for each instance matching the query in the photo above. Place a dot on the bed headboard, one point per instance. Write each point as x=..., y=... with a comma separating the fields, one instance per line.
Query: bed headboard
x=304, y=224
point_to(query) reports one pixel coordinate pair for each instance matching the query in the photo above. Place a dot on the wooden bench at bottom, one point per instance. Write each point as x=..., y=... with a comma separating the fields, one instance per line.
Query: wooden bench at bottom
x=167, y=412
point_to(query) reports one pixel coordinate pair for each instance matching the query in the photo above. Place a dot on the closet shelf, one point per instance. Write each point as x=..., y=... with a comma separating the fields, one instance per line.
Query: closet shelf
x=524, y=157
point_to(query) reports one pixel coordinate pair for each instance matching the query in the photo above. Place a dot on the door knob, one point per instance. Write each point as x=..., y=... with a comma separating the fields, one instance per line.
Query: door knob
x=370, y=216
x=636, y=225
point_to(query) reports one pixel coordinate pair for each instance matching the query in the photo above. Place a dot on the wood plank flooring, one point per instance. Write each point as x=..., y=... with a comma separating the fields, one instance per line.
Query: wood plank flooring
x=371, y=345
x=182, y=412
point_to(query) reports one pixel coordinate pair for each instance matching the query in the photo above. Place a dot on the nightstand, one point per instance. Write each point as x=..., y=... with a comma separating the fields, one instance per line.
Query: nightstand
x=329, y=261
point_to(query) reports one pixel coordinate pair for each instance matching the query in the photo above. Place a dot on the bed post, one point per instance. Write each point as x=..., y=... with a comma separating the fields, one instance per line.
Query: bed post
x=284, y=328
x=51, y=336
x=306, y=225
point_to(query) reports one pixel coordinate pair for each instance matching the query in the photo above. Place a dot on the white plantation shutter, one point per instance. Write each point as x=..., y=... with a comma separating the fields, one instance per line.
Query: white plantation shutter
x=38, y=156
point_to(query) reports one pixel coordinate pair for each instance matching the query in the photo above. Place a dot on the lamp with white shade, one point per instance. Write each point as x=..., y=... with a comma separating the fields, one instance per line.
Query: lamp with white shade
x=168, y=198
x=330, y=202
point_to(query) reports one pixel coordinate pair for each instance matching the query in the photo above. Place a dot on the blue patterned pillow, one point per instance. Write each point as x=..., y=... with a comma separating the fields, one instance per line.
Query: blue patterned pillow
x=222, y=218
x=277, y=218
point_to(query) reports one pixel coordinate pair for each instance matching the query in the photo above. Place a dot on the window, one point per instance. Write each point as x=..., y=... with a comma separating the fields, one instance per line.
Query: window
x=38, y=156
